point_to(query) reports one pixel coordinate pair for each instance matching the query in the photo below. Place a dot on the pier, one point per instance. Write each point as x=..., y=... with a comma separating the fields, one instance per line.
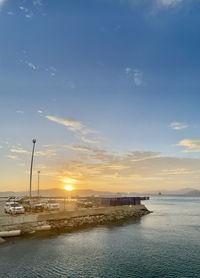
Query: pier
x=69, y=219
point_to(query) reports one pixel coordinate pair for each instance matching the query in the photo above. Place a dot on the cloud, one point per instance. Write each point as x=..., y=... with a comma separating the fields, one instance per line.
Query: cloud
x=20, y=112
x=31, y=65
x=14, y=157
x=177, y=171
x=127, y=70
x=117, y=167
x=70, y=123
x=142, y=156
x=28, y=13
x=19, y=150
x=10, y=13
x=178, y=125
x=168, y=3
x=137, y=75
x=87, y=140
x=155, y=5
x=37, y=3
x=78, y=148
x=71, y=85
x=40, y=111
x=193, y=145
x=84, y=149
x=52, y=71
x=78, y=128
x=41, y=166
x=50, y=152
x=118, y=172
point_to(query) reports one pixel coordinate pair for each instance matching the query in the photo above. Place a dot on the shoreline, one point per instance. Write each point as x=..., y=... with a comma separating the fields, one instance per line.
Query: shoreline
x=67, y=220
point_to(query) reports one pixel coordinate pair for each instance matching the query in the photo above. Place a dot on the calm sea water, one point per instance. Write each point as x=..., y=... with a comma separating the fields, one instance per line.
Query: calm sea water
x=163, y=244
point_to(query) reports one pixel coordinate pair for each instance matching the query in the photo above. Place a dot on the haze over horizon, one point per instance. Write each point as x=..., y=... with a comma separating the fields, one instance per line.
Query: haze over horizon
x=109, y=89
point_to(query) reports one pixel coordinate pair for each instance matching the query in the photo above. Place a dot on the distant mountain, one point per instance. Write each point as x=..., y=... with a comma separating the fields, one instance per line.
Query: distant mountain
x=57, y=192
x=194, y=192
x=179, y=191
x=7, y=193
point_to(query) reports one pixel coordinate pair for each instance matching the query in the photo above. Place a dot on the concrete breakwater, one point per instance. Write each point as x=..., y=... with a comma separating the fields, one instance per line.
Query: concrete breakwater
x=69, y=219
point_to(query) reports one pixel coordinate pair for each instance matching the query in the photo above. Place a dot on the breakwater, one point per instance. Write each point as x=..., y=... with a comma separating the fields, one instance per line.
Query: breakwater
x=69, y=219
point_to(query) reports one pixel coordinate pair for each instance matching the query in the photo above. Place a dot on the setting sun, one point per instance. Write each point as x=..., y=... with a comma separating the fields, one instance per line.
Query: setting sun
x=69, y=188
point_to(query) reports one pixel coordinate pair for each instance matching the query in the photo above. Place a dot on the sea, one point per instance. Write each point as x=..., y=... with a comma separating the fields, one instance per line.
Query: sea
x=165, y=243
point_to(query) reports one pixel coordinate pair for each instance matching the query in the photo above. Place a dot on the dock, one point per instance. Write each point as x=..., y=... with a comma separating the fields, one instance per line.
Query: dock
x=69, y=219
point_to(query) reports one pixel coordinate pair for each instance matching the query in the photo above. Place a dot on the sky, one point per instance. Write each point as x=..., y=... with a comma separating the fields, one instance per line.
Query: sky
x=110, y=89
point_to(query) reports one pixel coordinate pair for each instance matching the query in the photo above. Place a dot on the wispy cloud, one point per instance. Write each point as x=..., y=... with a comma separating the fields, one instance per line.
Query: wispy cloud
x=177, y=171
x=178, y=125
x=18, y=150
x=78, y=128
x=20, y=112
x=47, y=153
x=192, y=145
x=84, y=148
x=70, y=123
x=156, y=5
x=50, y=152
x=41, y=166
x=14, y=157
x=138, y=169
x=127, y=70
x=137, y=75
x=142, y=156
x=168, y=3
x=52, y=71
x=28, y=13
x=31, y=65
x=87, y=140
x=10, y=13
x=37, y=3
x=78, y=148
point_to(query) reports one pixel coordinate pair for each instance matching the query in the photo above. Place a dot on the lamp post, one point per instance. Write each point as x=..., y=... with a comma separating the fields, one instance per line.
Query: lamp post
x=31, y=169
x=38, y=184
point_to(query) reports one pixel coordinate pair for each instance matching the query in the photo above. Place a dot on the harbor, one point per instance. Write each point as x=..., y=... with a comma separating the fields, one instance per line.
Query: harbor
x=72, y=216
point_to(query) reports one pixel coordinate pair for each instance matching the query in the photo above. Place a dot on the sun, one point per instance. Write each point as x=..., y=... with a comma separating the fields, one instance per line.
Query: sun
x=69, y=188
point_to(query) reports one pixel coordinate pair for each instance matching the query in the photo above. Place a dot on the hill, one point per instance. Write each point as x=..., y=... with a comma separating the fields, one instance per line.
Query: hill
x=194, y=192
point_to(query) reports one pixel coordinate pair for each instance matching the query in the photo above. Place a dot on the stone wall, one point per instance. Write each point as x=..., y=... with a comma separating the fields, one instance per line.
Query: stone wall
x=70, y=219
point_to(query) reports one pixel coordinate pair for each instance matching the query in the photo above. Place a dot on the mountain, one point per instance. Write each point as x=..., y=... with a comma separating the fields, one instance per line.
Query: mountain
x=194, y=192
x=179, y=191
x=57, y=192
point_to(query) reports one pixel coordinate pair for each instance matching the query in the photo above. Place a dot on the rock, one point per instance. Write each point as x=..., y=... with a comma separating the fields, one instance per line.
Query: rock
x=10, y=233
x=2, y=240
x=43, y=228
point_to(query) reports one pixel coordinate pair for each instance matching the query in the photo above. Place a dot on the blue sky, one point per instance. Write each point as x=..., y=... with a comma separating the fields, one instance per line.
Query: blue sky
x=117, y=79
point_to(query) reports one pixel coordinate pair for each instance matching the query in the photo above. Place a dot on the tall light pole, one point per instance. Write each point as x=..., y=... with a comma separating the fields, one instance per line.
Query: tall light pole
x=38, y=184
x=31, y=169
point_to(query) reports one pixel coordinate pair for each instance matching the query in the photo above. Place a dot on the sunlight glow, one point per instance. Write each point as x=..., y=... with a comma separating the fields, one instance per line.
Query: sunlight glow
x=69, y=188
x=69, y=182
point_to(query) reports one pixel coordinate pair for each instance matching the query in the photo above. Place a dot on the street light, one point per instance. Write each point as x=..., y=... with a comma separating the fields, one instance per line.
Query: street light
x=31, y=169
x=38, y=184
